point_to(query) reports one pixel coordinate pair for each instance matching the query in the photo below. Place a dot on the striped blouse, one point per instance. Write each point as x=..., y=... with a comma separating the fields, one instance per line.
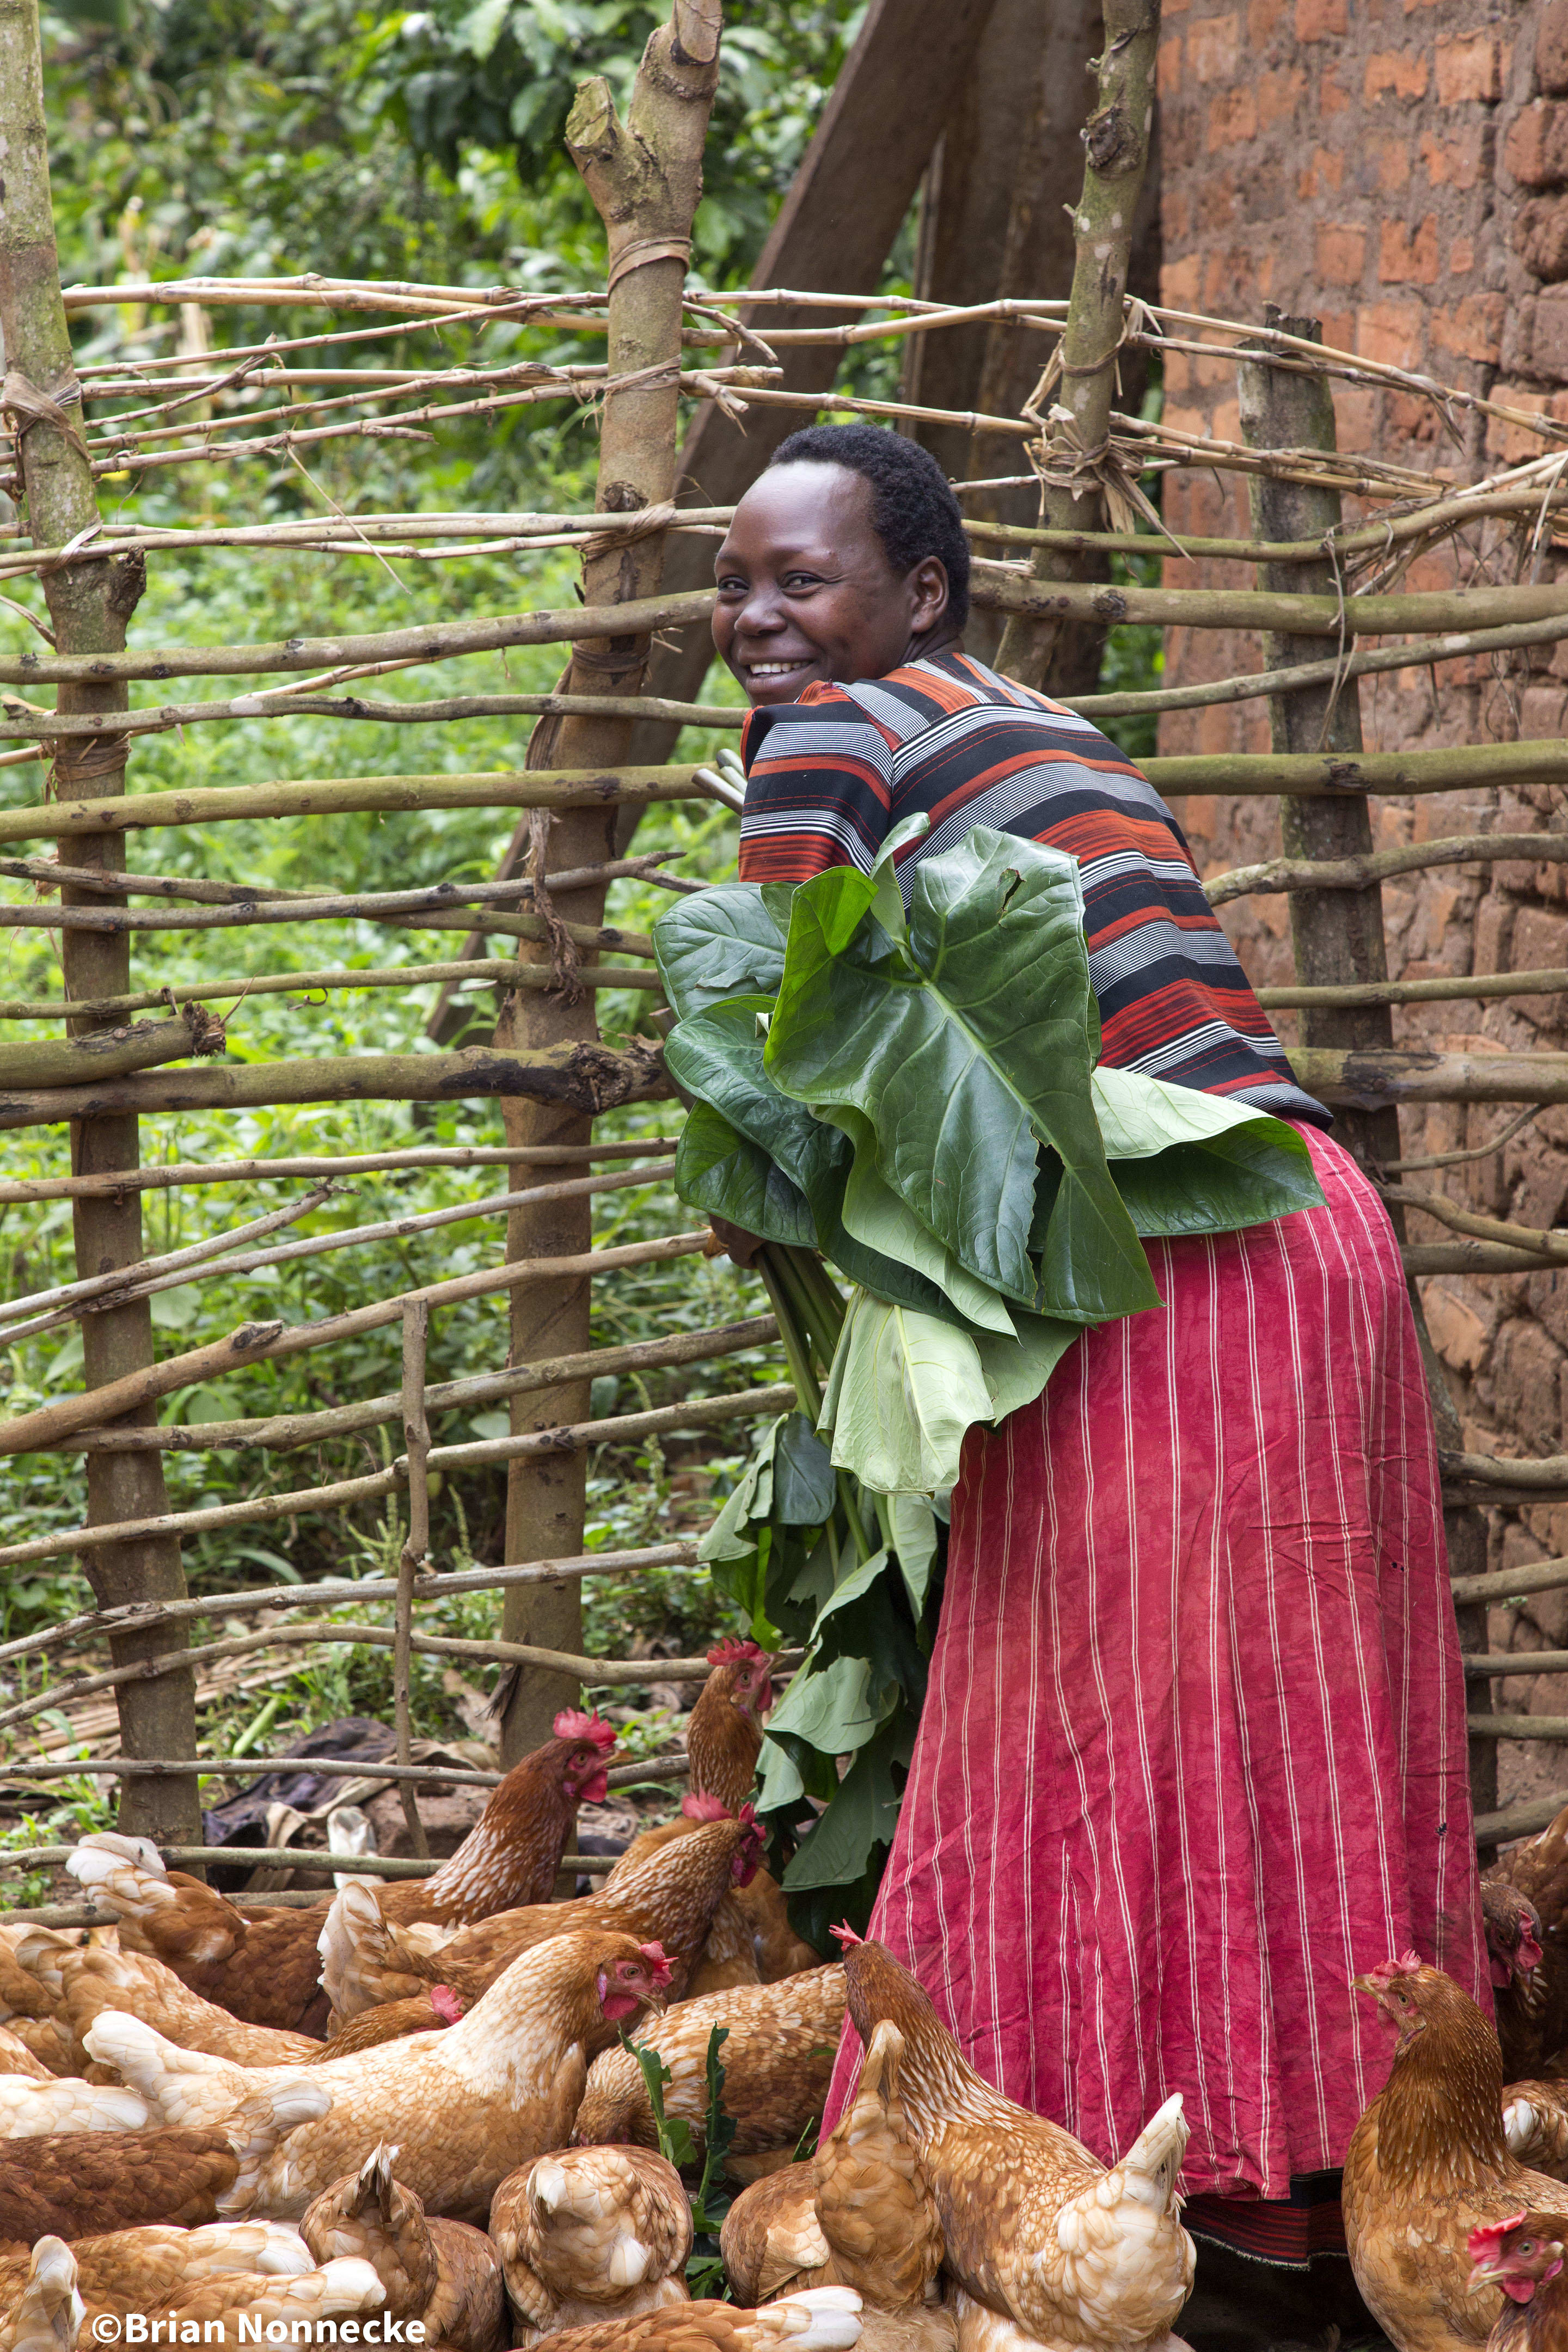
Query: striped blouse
x=829, y=776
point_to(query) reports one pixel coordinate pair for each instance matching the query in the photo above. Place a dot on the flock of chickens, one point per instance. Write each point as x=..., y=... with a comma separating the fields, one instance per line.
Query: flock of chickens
x=411, y=2110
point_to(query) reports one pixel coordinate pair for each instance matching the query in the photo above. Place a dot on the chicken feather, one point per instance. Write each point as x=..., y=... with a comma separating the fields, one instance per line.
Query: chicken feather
x=825, y=2319
x=441, y=2273
x=589, y=2234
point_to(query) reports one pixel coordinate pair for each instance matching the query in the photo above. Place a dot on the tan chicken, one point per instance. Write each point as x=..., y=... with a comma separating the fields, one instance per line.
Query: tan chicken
x=121, y=2276
x=144, y=2269
x=591, y=2233
x=1535, y=2126
x=777, y=2056
x=15, y=2058
x=391, y=2019
x=1525, y=2256
x=1524, y=1909
x=860, y=2214
x=137, y=1985
x=1428, y=2163
x=825, y=2319
x=263, y=1965
x=27, y=2010
x=77, y=2182
x=64, y=2103
x=466, y=2105
x=670, y=1900
x=443, y=2274
x=1046, y=2246
x=48, y=2314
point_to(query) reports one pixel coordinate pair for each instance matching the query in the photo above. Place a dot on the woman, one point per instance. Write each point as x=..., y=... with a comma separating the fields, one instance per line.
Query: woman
x=1192, y=1754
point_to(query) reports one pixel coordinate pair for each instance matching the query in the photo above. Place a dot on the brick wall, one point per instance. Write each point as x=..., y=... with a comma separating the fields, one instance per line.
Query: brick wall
x=1400, y=170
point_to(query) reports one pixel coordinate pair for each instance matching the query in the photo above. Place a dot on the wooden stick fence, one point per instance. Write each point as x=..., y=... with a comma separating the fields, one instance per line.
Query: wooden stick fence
x=547, y=1067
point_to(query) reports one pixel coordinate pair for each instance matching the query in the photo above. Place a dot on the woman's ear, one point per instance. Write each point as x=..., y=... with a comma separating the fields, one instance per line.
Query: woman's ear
x=928, y=586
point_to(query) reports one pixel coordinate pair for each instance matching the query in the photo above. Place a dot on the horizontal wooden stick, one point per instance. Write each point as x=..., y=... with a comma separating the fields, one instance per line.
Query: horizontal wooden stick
x=1465, y=1258
x=998, y=587
x=255, y=1343
x=330, y=1768
x=202, y=891
x=1367, y=1078
x=366, y=1163
x=1495, y=1665
x=284, y=1432
x=368, y=907
x=1550, y=1246
x=298, y=1857
x=151, y=1276
x=345, y=1493
x=110, y=1054
x=1518, y=1727
x=158, y=719
x=1525, y=1819
x=490, y=972
x=1381, y=865
x=1463, y=767
x=1479, y=985
x=1546, y=1471
x=590, y=1079
x=354, y=795
x=1443, y=514
x=138, y=1616
x=1512, y=1584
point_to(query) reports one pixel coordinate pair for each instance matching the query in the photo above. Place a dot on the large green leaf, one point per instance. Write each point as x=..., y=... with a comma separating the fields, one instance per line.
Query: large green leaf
x=718, y=943
x=862, y=1816
x=834, y=1711
x=966, y=1048
x=916, y=1533
x=873, y=1213
x=805, y=1489
x=902, y=1390
x=719, y=1169
x=1186, y=1162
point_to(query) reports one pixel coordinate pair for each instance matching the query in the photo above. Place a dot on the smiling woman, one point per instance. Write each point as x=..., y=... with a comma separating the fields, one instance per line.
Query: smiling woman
x=1193, y=1744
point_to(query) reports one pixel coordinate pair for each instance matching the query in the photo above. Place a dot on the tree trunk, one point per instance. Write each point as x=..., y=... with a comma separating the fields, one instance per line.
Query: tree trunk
x=90, y=606
x=644, y=176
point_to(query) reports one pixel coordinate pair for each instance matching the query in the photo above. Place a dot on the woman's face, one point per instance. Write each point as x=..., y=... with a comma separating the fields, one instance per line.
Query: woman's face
x=806, y=593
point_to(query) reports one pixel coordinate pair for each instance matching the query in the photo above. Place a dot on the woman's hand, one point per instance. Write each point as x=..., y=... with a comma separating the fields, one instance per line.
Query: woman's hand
x=741, y=1245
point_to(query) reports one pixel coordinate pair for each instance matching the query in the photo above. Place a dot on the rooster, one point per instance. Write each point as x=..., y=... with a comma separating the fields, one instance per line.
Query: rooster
x=1428, y=2163
x=862, y=2213
x=777, y=2056
x=442, y=2273
x=1046, y=2245
x=1523, y=2256
x=466, y=2105
x=669, y=1900
x=591, y=2233
x=82, y=2182
x=263, y=1965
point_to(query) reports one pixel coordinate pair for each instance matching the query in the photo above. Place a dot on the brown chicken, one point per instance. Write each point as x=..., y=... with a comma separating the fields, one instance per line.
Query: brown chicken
x=777, y=2056
x=123, y=2276
x=825, y=2319
x=1523, y=2256
x=466, y=2106
x=15, y=2058
x=64, y=2103
x=264, y=1966
x=591, y=2233
x=1525, y=1910
x=1044, y=2244
x=140, y=2269
x=48, y=2314
x=860, y=2214
x=1535, y=2126
x=671, y=1900
x=441, y=2273
x=1428, y=2163
x=391, y=2019
x=137, y=1985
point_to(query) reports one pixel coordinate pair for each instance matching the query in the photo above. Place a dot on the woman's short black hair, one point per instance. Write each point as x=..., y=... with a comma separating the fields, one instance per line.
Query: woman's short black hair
x=913, y=510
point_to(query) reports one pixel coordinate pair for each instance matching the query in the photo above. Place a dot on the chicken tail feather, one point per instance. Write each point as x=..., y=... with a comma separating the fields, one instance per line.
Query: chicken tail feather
x=49, y=2314
x=821, y=2320
x=1156, y=2154
x=256, y=2127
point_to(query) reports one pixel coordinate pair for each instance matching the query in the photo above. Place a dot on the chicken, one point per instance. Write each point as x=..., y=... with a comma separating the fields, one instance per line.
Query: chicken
x=137, y=2270
x=466, y=2105
x=15, y=2058
x=1428, y=2163
x=48, y=2314
x=777, y=2056
x=391, y=2019
x=77, y=2183
x=1523, y=2256
x=826, y=2319
x=860, y=2214
x=1535, y=2126
x=66, y=2104
x=671, y=1900
x=441, y=2273
x=137, y=1985
x=1044, y=2244
x=263, y=1965
x=1524, y=1909
x=591, y=2233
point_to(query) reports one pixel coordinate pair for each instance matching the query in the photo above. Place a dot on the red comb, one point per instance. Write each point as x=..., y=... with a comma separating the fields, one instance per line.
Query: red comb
x=731, y=1650
x=846, y=1935
x=699, y=1807
x=1387, y=1970
x=446, y=2003
x=572, y=1724
x=1487, y=2239
x=659, y=1960
x=1527, y=1952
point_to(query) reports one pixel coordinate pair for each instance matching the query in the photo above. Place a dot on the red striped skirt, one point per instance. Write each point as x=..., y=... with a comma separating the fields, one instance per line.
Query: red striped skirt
x=1193, y=1753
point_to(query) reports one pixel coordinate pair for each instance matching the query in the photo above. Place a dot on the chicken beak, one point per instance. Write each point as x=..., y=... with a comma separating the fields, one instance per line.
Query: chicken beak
x=1479, y=2279
x=657, y=2000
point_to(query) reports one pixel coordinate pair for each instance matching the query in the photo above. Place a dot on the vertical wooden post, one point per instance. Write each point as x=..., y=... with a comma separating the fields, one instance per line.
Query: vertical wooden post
x=90, y=606
x=415, y=1554
x=1060, y=655
x=644, y=176
x=1338, y=934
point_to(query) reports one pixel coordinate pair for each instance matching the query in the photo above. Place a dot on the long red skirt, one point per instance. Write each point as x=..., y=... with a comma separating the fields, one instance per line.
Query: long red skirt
x=1192, y=1754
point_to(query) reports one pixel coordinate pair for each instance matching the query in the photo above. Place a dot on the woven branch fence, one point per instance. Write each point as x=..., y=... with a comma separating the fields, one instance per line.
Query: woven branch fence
x=1322, y=585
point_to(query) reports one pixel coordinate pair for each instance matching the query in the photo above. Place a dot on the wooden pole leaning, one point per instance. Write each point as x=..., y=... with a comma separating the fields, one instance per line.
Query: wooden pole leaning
x=90, y=606
x=645, y=175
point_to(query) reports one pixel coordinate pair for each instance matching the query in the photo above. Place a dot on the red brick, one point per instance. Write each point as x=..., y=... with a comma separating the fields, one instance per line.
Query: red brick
x=1536, y=148
x=1549, y=336
x=1539, y=237
x=1393, y=164
x=1551, y=47
x=1214, y=45
x=1340, y=252
x=1404, y=72
x=1280, y=96
x=1394, y=333
x=1404, y=258
x=1264, y=18
x=1168, y=73
x=1333, y=97
x=1232, y=119
x=1467, y=69
x=1320, y=20
x=1452, y=163
x=1461, y=256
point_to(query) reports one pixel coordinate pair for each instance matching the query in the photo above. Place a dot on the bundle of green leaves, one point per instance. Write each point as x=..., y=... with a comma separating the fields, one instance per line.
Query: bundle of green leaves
x=910, y=1095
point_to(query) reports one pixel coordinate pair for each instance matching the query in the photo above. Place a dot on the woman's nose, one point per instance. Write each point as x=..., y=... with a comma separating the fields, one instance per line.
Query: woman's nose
x=759, y=614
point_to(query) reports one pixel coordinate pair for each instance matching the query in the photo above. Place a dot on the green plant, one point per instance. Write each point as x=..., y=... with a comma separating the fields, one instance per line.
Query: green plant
x=704, y=2268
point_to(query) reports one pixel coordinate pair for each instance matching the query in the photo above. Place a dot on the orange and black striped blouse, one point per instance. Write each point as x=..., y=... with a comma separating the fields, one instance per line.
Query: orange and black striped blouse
x=829, y=776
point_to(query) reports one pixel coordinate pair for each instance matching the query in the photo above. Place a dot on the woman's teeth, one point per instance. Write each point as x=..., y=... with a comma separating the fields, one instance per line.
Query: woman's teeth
x=775, y=669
